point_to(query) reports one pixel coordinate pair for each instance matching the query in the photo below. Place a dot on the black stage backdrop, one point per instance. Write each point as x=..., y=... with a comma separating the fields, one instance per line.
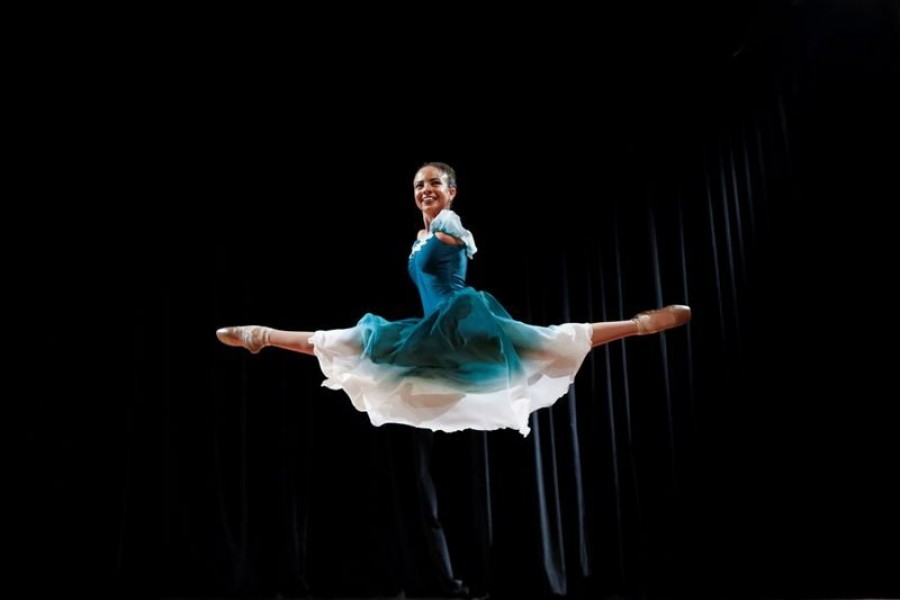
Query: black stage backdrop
x=744, y=167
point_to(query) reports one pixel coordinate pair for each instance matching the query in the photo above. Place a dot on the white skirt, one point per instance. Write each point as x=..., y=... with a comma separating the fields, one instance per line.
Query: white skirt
x=467, y=366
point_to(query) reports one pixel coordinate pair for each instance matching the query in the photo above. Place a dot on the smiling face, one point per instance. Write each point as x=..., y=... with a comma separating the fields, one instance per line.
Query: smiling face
x=432, y=191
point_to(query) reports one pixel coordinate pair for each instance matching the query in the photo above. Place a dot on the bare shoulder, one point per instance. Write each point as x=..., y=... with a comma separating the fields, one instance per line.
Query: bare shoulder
x=422, y=233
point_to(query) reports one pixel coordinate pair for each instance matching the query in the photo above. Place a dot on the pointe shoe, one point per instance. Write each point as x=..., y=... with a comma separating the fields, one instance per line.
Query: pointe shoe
x=252, y=337
x=654, y=321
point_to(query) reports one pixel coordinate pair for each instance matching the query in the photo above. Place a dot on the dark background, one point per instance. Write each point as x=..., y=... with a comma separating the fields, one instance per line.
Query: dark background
x=195, y=175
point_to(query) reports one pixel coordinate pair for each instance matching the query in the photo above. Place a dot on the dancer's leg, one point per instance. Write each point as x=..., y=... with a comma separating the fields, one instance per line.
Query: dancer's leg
x=295, y=341
x=651, y=321
x=605, y=332
x=256, y=337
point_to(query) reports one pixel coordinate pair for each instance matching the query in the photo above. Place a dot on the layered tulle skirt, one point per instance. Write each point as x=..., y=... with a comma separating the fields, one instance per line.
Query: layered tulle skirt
x=466, y=365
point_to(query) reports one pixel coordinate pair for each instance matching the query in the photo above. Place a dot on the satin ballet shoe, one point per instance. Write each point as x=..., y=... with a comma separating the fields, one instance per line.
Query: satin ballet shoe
x=252, y=337
x=654, y=321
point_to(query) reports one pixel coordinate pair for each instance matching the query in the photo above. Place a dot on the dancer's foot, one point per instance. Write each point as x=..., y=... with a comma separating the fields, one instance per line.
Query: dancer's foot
x=654, y=321
x=252, y=337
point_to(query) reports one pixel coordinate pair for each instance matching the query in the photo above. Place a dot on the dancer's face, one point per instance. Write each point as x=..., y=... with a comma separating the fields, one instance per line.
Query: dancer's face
x=432, y=192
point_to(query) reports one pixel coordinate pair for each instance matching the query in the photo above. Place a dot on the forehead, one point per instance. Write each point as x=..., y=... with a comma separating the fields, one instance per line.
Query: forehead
x=429, y=174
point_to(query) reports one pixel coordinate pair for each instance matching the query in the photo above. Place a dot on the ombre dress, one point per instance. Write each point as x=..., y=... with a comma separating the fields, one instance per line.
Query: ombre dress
x=466, y=364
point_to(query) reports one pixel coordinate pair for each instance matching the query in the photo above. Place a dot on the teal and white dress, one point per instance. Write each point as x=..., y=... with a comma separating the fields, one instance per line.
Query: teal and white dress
x=466, y=364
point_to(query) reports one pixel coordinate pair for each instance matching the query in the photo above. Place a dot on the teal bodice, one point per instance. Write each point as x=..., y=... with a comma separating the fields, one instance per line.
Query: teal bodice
x=439, y=271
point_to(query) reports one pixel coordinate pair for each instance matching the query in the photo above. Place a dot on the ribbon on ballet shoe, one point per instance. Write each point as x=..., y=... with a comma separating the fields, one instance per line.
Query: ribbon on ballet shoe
x=252, y=337
x=661, y=319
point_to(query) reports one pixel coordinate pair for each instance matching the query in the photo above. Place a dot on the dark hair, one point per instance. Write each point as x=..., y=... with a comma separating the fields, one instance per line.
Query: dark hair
x=445, y=169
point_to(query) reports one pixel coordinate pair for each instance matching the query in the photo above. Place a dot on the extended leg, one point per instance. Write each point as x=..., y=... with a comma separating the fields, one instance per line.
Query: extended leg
x=644, y=323
x=256, y=337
